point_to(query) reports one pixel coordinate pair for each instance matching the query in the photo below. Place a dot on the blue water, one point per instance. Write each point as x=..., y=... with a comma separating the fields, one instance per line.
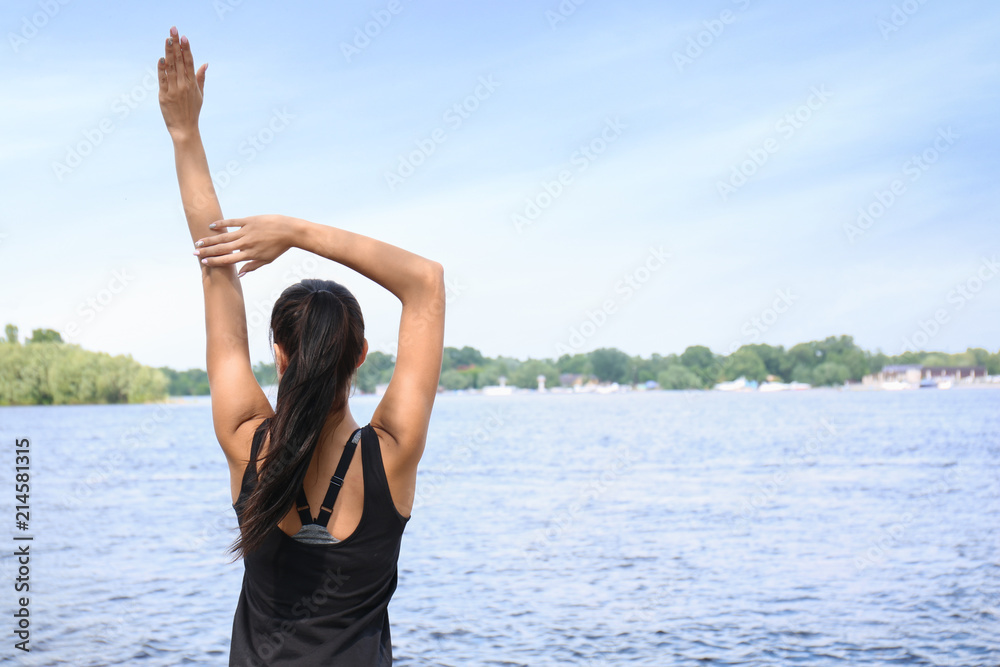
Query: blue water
x=665, y=528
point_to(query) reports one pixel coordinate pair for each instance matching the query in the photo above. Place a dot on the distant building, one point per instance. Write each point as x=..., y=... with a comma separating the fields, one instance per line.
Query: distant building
x=895, y=373
x=913, y=374
x=570, y=379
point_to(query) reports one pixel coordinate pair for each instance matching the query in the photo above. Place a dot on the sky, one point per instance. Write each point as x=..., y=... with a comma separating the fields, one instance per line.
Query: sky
x=639, y=175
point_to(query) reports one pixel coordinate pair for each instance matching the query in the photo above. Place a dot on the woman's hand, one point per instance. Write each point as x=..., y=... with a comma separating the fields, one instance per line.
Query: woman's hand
x=260, y=240
x=180, y=88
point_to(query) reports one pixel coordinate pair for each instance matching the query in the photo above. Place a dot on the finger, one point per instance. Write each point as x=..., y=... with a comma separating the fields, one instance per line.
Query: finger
x=223, y=260
x=188, y=58
x=168, y=57
x=231, y=222
x=225, y=237
x=217, y=250
x=175, y=49
x=250, y=266
x=200, y=77
x=161, y=69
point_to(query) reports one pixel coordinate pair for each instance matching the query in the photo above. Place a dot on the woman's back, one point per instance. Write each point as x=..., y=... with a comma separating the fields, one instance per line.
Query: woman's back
x=308, y=603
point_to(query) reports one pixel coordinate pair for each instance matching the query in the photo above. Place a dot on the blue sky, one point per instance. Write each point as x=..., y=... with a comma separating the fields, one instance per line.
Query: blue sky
x=642, y=175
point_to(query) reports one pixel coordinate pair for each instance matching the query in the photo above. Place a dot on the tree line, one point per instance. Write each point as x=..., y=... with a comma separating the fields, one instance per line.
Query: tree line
x=44, y=370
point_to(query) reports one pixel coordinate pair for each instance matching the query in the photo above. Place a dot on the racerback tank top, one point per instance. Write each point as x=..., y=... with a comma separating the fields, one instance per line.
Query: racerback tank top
x=304, y=603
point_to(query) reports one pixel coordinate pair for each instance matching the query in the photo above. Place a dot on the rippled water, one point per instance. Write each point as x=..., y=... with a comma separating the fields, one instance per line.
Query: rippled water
x=664, y=528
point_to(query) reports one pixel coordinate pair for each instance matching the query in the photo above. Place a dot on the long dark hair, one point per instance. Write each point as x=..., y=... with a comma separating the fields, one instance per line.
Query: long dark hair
x=319, y=327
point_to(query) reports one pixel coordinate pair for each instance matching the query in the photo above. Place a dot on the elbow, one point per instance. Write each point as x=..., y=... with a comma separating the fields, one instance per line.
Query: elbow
x=435, y=272
x=426, y=285
x=435, y=284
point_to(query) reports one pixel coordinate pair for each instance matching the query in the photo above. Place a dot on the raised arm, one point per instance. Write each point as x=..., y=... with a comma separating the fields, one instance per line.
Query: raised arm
x=405, y=409
x=237, y=400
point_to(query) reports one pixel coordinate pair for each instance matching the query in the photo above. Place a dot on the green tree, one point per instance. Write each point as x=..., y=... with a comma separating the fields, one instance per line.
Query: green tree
x=701, y=361
x=993, y=364
x=53, y=373
x=45, y=336
x=266, y=373
x=980, y=356
x=488, y=375
x=744, y=363
x=610, y=365
x=830, y=373
x=526, y=375
x=376, y=370
x=578, y=364
x=453, y=357
x=678, y=377
x=11, y=333
x=192, y=382
x=455, y=379
x=775, y=359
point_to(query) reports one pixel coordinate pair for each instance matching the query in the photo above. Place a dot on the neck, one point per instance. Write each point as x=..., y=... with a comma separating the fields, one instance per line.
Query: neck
x=338, y=427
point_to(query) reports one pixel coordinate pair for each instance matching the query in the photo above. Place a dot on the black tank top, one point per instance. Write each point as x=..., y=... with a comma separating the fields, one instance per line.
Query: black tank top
x=321, y=604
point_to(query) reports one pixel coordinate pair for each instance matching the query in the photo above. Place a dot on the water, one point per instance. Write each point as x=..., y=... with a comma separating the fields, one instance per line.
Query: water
x=813, y=528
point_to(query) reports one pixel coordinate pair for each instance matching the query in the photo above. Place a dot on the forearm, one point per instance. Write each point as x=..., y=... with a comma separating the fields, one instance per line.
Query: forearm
x=225, y=316
x=405, y=274
x=201, y=205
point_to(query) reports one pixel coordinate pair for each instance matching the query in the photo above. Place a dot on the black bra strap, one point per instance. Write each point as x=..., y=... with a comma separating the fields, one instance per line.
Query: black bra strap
x=303, y=508
x=336, y=482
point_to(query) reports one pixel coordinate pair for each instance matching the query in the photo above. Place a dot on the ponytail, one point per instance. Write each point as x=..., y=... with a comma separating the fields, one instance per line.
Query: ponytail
x=319, y=327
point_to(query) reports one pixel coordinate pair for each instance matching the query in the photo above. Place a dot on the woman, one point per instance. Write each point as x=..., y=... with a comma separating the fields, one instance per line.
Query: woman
x=320, y=526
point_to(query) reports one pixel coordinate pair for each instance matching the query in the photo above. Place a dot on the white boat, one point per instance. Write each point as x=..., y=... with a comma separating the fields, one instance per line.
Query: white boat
x=774, y=386
x=739, y=384
x=896, y=385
